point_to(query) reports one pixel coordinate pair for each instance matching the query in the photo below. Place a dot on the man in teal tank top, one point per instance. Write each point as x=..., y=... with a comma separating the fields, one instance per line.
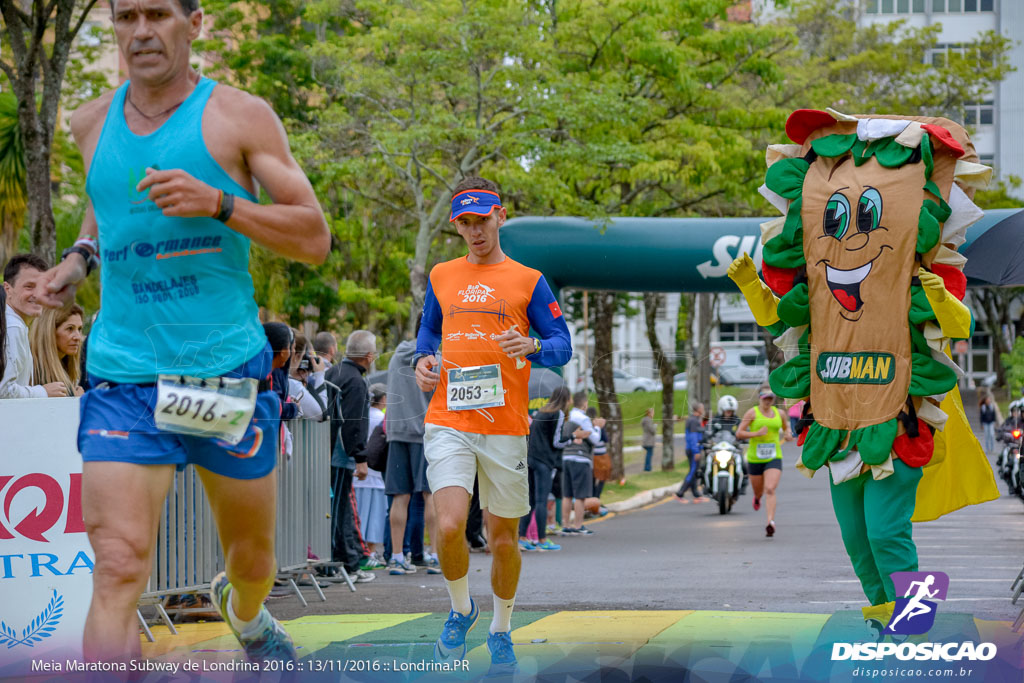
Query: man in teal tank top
x=179, y=362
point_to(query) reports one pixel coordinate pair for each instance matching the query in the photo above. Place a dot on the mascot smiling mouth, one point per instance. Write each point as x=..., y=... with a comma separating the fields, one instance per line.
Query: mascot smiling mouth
x=845, y=284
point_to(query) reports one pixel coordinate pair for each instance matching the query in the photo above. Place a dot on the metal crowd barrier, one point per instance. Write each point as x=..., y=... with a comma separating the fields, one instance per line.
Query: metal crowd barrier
x=188, y=552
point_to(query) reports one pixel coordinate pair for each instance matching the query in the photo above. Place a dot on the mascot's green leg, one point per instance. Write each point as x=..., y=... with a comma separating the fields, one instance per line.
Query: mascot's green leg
x=874, y=517
x=888, y=506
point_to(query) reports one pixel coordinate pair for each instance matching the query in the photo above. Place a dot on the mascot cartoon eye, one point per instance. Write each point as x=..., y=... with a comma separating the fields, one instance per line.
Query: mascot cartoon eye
x=869, y=210
x=837, y=215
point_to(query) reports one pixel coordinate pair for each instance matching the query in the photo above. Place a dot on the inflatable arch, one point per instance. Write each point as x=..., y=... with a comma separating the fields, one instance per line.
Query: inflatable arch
x=654, y=254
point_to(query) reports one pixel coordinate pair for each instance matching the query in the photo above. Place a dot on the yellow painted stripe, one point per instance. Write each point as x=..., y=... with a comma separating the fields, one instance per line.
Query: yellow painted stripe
x=214, y=641
x=727, y=629
x=598, y=636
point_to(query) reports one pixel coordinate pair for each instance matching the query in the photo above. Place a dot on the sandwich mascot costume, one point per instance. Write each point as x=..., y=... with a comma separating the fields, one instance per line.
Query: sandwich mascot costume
x=863, y=286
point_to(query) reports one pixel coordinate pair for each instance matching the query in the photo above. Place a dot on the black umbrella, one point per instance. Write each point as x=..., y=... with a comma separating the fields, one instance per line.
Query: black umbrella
x=543, y=381
x=996, y=257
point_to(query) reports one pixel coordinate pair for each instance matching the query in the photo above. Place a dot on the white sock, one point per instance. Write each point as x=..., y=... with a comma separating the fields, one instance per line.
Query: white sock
x=502, y=621
x=398, y=557
x=459, y=592
x=245, y=628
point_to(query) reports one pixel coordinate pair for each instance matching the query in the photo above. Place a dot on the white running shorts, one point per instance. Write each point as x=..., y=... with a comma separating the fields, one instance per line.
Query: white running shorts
x=453, y=458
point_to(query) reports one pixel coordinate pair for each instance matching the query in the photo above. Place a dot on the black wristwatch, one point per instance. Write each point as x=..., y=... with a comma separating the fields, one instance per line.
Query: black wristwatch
x=90, y=258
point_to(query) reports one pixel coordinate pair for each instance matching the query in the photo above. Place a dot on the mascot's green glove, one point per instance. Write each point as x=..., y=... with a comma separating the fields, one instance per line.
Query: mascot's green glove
x=954, y=318
x=762, y=302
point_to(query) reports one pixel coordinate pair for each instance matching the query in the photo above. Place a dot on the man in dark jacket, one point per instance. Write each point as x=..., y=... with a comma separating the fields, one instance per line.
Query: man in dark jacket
x=348, y=449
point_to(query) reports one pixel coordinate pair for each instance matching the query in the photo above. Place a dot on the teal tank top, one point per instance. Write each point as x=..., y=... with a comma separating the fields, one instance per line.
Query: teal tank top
x=176, y=295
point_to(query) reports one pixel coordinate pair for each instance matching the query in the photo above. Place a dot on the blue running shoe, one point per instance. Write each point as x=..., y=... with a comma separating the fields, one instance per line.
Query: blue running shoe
x=452, y=643
x=527, y=544
x=272, y=643
x=548, y=545
x=503, y=657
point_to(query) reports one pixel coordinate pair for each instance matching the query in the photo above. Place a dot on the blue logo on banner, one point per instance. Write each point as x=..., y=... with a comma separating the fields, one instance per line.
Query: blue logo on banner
x=41, y=627
x=914, y=613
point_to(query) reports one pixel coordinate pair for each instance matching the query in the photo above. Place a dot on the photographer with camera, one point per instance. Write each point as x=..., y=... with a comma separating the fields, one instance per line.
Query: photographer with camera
x=306, y=381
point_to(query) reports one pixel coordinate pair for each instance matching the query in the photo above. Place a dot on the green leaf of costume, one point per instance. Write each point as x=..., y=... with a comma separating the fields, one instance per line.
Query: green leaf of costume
x=786, y=250
x=930, y=377
x=928, y=226
x=890, y=153
x=920, y=308
x=792, y=379
x=777, y=329
x=834, y=145
x=820, y=445
x=786, y=177
x=874, y=443
x=926, y=156
x=794, y=308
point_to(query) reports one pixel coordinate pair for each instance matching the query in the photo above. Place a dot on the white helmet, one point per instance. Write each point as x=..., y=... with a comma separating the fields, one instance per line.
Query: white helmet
x=728, y=403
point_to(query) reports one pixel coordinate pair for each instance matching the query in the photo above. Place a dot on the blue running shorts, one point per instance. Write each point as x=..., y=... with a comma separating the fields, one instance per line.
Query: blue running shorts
x=116, y=425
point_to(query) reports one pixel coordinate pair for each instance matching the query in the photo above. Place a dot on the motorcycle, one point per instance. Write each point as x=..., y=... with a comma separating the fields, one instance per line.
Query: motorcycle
x=1008, y=461
x=723, y=470
x=1016, y=480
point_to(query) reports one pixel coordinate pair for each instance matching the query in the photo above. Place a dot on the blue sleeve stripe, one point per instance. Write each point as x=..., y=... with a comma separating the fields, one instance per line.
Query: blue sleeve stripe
x=429, y=337
x=556, y=349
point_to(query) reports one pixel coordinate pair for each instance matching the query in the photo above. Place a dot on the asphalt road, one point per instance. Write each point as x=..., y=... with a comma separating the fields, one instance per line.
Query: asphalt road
x=672, y=556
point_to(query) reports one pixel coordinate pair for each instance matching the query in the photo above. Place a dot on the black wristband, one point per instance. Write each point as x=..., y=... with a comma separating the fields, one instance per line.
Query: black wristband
x=227, y=206
x=90, y=259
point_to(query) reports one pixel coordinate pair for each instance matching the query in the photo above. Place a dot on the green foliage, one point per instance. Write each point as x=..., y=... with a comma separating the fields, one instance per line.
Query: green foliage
x=12, y=157
x=576, y=107
x=1000, y=197
x=882, y=68
x=1014, y=364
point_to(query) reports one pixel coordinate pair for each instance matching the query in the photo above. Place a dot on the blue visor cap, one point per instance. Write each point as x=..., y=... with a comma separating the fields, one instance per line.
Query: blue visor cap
x=476, y=202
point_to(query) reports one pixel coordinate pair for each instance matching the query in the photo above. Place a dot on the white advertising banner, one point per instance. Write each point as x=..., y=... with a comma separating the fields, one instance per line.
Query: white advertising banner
x=46, y=561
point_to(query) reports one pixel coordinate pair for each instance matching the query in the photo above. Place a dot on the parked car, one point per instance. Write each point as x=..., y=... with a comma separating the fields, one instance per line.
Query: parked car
x=744, y=365
x=624, y=383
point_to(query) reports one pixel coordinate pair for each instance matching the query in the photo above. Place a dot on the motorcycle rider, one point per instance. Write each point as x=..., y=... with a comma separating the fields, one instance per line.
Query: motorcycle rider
x=725, y=420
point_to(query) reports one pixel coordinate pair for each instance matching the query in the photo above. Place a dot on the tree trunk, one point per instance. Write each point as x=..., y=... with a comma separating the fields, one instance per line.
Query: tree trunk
x=996, y=303
x=699, y=387
x=40, y=208
x=652, y=302
x=604, y=385
x=28, y=27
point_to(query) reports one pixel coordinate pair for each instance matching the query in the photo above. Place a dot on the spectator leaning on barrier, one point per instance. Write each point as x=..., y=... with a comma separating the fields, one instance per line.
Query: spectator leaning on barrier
x=406, y=473
x=20, y=276
x=348, y=455
x=56, y=341
x=282, y=344
x=371, y=503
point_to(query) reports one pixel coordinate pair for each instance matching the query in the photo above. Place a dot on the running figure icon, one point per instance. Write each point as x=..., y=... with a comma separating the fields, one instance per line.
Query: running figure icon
x=915, y=607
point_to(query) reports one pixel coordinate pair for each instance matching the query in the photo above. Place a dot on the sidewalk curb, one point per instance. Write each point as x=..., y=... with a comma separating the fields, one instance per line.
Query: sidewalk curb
x=643, y=498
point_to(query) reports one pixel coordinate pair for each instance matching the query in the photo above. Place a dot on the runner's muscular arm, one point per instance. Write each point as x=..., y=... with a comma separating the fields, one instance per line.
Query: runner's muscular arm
x=293, y=226
x=57, y=285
